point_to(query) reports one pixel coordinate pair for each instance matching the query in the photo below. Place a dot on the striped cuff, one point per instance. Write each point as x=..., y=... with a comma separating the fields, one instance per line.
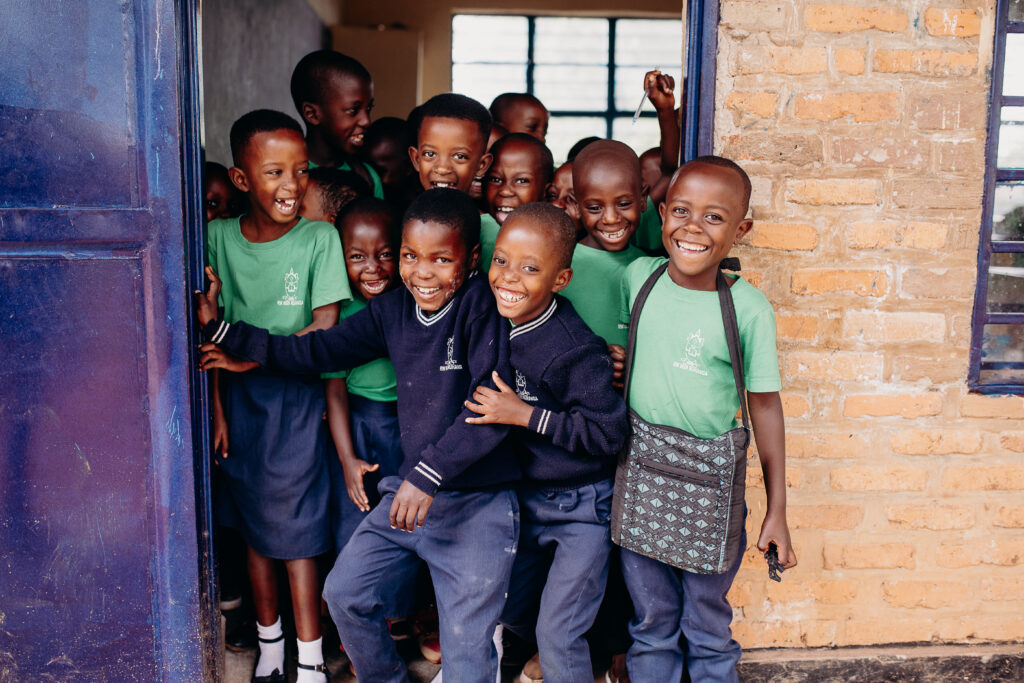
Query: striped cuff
x=539, y=420
x=425, y=478
x=215, y=330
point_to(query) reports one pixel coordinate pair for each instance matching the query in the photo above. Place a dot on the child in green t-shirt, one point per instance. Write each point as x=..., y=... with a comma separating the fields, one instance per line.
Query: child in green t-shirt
x=682, y=377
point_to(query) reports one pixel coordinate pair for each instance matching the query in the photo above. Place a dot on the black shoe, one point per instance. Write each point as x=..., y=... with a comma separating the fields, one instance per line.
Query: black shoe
x=275, y=676
x=239, y=631
x=320, y=668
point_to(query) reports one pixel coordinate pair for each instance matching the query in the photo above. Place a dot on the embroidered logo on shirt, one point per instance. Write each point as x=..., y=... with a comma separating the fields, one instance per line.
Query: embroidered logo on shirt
x=450, y=363
x=691, y=361
x=521, y=390
x=291, y=289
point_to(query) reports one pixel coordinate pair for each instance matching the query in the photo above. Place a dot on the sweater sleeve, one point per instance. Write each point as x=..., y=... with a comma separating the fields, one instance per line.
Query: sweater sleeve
x=354, y=341
x=594, y=419
x=463, y=444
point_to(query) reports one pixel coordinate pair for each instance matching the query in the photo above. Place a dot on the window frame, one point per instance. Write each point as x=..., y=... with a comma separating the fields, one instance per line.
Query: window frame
x=993, y=174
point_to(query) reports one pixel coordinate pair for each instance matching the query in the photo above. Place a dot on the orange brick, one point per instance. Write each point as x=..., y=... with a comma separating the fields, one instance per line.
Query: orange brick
x=755, y=478
x=1002, y=552
x=886, y=234
x=798, y=150
x=938, y=193
x=820, y=444
x=842, y=18
x=1002, y=590
x=749, y=57
x=919, y=235
x=929, y=594
x=753, y=15
x=937, y=368
x=869, y=556
x=877, y=632
x=805, y=633
x=763, y=104
x=925, y=62
x=850, y=61
x=798, y=60
x=1012, y=441
x=947, y=111
x=833, y=365
x=1010, y=517
x=981, y=627
x=983, y=477
x=894, y=478
x=837, y=592
x=883, y=405
x=938, y=283
x=796, y=326
x=958, y=23
x=794, y=405
x=876, y=326
x=1009, y=407
x=934, y=516
x=783, y=236
x=833, y=517
x=874, y=283
x=935, y=442
x=962, y=155
x=862, y=106
x=833, y=192
x=880, y=152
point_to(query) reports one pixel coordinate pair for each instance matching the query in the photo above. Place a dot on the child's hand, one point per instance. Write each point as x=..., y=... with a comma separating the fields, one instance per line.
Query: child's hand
x=354, y=471
x=503, y=406
x=220, y=435
x=775, y=530
x=206, y=304
x=618, y=355
x=659, y=89
x=409, y=508
x=212, y=356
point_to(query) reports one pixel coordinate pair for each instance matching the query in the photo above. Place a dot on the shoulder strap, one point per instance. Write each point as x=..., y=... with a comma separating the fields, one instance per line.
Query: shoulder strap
x=634, y=323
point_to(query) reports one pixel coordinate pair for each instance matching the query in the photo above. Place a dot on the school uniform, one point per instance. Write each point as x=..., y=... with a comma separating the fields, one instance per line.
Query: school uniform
x=594, y=289
x=470, y=535
x=577, y=427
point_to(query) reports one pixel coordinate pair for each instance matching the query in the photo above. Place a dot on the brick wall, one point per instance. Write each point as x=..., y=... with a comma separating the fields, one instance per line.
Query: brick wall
x=863, y=127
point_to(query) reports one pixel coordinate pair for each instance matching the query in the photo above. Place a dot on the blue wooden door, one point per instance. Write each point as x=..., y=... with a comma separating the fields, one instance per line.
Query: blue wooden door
x=102, y=506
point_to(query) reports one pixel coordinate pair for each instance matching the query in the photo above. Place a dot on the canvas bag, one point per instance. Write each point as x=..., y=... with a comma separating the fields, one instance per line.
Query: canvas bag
x=679, y=499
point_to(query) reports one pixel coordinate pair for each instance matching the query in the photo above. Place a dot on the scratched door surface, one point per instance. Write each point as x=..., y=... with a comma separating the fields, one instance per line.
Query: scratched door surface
x=99, y=557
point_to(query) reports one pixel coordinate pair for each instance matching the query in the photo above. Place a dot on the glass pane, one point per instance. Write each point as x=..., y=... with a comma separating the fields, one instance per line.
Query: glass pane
x=1016, y=10
x=641, y=137
x=1002, y=354
x=1011, y=138
x=489, y=38
x=484, y=82
x=1013, y=66
x=629, y=88
x=565, y=40
x=1008, y=212
x=649, y=43
x=565, y=131
x=574, y=88
x=1006, y=283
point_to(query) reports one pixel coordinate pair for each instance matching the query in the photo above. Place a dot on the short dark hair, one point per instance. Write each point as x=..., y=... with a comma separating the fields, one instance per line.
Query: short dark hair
x=714, y=160
x=338, y=188
x=557, y=226
x=578, y=147
x=547, y=162
x=312, y=74
x=451, y=208
x=388, y=128
x=504, y=102
x=258, y=121
x=453, y=106
x=377, y=208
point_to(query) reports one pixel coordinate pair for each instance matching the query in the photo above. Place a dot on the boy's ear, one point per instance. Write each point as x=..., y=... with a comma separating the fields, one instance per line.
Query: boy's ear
x=645, y=191
x=742, y=229
x=414, y=157
x=572, y=206
x=562, y=280
x=474, y=257
x=311, y=113
x=661, y=211
x=485, y=163
x=238, y=179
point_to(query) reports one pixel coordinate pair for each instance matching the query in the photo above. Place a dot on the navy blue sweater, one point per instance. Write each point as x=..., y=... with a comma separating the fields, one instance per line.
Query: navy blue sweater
x=439, y=360
x=579, y=423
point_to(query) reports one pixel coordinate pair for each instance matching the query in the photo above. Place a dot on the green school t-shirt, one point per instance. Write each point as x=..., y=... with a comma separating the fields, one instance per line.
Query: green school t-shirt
x=378, y=186
x=374, y=380
x=276, y=285
x=488, y=236
x=595, y=289
x=682, y=375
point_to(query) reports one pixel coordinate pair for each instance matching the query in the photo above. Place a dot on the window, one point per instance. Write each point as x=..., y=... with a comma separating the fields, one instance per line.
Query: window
x=587, y=71
x=997, y=350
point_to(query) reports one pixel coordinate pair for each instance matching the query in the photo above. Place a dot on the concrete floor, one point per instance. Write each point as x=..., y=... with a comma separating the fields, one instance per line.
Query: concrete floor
x=238, y=666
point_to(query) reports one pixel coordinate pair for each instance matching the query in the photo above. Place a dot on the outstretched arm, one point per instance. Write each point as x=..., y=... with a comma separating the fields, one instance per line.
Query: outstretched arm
x=770, y=433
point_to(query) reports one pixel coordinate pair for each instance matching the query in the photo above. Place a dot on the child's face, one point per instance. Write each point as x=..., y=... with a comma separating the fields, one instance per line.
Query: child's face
x=345, y=112
x=650, y=169
x=515, y=179
x=561, y=187
x=222, y=199
x=527, y=117
x=274, y=172
x=525, y=272
x=391, y=161
x=476, y=190
x=433, y=263
x=313, y=204
x=449, y=153
x=703, y=216
x=369, y=256
x=607, y=201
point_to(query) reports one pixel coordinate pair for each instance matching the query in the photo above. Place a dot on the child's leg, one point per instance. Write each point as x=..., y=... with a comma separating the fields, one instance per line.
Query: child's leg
x=656, y=590
x=304, y=584
x=263, y=577
x=469, y=543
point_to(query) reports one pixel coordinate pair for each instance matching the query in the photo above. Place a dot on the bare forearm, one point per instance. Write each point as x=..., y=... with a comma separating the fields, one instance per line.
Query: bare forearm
x=670, y=136
x=336, y=393
x=770, y=433
x=324, y=317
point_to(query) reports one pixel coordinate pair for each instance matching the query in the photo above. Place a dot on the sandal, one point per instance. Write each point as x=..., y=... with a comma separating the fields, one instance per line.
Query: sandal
x=319, y=668
x=275, y=676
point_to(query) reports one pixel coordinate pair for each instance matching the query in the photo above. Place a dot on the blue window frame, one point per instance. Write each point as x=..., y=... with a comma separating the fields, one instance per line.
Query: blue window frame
x=997, y=344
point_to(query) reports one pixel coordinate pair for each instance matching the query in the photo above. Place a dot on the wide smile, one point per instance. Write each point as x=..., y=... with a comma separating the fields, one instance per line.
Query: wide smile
x=356, y=139
x=503, y=212
x=287, y=206
x=614, y=236
x=374, y=286
x=689, y=248
x=509, y=296
x=441, y=183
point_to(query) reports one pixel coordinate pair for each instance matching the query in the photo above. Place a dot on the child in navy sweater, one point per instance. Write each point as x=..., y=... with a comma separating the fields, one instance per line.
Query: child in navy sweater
x=571, y=425
x=444, y=337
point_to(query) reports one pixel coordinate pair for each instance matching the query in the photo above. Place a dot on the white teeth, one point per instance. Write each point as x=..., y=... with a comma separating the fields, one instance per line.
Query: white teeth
x=615, y=235
x=427, y=291
x=506, y=209
x=510, y=297
x=286, y=205
x=438, y=184
x=687, y=246
x=375, y=285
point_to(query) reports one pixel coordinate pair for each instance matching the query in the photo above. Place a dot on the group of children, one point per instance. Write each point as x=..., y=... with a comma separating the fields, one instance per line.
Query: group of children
x=466, y=367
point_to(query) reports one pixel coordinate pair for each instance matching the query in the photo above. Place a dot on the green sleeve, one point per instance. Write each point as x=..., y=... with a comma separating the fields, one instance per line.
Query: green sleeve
x=329, y=277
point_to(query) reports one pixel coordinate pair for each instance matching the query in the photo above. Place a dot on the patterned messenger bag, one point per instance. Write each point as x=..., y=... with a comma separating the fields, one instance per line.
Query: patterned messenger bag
x=678, y=498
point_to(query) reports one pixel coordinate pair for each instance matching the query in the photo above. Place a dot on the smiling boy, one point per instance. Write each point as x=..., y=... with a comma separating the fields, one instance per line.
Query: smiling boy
x=451, y=141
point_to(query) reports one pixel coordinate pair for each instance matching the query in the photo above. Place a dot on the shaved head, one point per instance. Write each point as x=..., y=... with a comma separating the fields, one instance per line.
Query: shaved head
x=608, y=156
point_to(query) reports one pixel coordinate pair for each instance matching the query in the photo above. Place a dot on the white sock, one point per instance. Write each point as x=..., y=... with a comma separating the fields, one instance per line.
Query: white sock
x=271, y=654
x=310, y=653
x=230, y=604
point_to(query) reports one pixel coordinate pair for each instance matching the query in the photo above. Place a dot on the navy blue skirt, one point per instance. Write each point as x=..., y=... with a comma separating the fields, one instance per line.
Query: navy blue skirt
x=275, y=485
